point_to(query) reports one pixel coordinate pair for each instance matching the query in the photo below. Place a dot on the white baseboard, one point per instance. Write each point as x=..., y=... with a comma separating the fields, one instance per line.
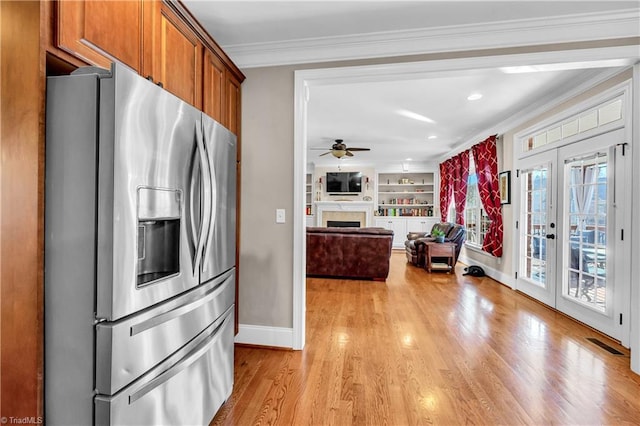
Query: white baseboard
x=260, y=335
x=490, y=272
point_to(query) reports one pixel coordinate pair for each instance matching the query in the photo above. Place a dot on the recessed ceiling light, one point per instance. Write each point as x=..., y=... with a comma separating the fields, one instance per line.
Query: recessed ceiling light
x=474, y=96
x=432, y=137
x=408, y=159
x=415, y=116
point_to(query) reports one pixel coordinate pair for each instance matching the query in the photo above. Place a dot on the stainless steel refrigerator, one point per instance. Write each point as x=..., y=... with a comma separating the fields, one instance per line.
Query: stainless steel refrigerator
x=139, y=254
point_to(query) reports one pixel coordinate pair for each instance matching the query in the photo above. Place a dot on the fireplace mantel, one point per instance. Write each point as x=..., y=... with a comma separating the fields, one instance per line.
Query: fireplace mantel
x=323, y=207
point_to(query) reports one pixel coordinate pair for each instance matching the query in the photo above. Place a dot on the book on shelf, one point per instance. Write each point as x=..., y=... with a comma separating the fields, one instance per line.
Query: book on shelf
x=393, y=211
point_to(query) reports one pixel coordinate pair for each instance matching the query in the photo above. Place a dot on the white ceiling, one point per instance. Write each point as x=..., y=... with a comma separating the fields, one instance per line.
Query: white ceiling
x=366, y=114
x=239, y=22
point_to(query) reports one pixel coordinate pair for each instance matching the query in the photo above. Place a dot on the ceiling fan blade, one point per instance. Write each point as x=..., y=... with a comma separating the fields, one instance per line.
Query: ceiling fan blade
x=328, y=152
x=349, y=154
x=358, y=149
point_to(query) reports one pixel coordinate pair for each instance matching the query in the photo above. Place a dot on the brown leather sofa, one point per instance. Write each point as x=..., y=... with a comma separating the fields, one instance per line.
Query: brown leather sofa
x=349, y=252
x=414, y=245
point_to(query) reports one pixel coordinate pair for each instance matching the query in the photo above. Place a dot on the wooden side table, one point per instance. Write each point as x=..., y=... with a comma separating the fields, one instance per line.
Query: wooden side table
x=439, y=250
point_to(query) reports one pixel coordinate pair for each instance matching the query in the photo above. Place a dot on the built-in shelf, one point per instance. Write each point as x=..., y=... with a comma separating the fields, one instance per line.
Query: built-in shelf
x=406, y=194
x=309, y=195
x=407, y=205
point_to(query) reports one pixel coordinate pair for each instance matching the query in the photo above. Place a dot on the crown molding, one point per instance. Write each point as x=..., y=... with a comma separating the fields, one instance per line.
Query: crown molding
x=492, y=35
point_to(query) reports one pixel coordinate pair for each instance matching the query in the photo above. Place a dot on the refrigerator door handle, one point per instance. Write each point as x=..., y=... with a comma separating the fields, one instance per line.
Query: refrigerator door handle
x=206, y=188
x=213, y=206
x=194, y=203
x=185, y=362
x=179, y=311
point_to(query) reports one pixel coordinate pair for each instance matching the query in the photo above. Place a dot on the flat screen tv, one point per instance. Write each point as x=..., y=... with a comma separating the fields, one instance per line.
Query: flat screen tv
x=338, y=182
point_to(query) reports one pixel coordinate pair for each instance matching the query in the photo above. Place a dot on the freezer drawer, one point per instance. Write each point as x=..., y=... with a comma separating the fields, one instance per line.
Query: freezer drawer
x=188, y=392
x=128, y=348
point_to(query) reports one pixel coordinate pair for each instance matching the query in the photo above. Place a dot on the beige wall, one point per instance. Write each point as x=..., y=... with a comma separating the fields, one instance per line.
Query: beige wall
x=266, y=269
x=266, y=253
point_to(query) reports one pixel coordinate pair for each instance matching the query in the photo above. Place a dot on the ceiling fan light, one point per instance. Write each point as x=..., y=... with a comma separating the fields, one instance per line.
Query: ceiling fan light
x=338, y=153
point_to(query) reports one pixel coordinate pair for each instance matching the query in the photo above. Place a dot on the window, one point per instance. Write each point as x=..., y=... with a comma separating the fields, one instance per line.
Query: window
x=596, y=117
x=475, y=218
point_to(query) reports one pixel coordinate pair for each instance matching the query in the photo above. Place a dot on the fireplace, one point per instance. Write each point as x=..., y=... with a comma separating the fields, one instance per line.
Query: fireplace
x=344, y=211
x=343, y=223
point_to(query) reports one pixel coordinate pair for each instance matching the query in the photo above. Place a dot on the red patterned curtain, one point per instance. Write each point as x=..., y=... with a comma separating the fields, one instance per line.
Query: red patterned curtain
x=486, y=160
x=446, y=188
x=460, y=176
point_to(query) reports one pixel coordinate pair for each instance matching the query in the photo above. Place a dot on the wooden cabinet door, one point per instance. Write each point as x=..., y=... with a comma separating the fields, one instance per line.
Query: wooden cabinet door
x=177, y=57
x=214, y=85
x=232, y=95
x=101, y=31
x=221, y=93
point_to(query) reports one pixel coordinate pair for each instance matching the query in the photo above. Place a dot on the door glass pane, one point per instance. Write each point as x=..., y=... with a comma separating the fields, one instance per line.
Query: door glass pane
x=585, y=271
x=533, y=230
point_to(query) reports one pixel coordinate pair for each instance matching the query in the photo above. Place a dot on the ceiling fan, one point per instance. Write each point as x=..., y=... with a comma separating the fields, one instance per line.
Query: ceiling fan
x=339, y=149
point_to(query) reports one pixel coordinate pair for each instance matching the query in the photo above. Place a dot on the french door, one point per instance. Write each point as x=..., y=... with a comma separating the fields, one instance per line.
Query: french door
x=573, y=211
x=536, y=226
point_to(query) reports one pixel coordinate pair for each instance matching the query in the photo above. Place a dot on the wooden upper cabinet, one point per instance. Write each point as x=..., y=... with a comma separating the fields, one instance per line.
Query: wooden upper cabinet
x=100, y=31
x=177, y=58
x=213, y=87
x=221, y=92
x=232, y=97
x=160, y=40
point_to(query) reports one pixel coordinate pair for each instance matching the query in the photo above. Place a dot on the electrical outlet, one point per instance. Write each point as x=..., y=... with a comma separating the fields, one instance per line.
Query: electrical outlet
x=280, y=218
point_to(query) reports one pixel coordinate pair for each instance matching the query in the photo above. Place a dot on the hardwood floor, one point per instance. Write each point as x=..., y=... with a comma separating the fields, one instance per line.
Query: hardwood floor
x=434, y=348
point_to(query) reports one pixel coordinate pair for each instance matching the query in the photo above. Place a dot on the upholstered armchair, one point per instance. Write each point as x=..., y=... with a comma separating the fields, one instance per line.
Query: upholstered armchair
x=414, y=245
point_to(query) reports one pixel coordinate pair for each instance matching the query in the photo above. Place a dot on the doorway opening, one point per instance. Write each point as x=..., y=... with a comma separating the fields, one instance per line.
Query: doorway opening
x=307, y=78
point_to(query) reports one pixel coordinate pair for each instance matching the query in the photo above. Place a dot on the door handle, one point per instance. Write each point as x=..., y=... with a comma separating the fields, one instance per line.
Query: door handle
x=204, y=169
x=551, y=236
x=213, y=205
x=187, y=307
x=193, y=356
x=194, y=203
